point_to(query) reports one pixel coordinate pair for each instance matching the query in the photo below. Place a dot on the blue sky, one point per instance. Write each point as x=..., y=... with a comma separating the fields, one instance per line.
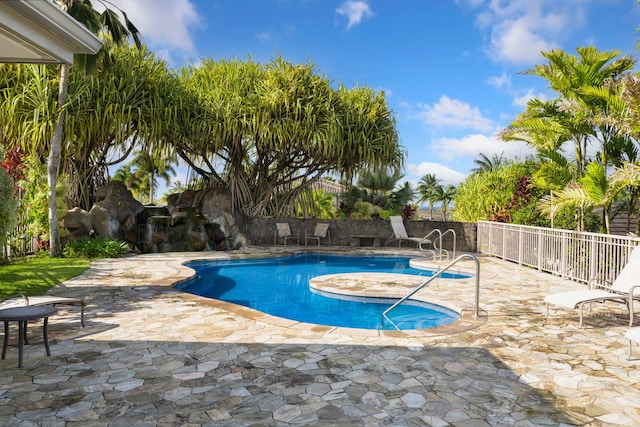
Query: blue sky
x=451, y=69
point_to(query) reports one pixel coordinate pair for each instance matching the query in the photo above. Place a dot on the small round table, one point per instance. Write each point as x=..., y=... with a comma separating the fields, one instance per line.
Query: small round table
x=22, y=315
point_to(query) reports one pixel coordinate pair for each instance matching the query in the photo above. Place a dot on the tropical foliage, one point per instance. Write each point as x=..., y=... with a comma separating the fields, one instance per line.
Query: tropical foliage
x=100, y=247
x=8, y=206
x=596, y=104
x=378, y=194
x=267, y=132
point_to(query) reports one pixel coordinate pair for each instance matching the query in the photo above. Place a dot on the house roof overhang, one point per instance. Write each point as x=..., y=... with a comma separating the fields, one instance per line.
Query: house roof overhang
x=40, y=32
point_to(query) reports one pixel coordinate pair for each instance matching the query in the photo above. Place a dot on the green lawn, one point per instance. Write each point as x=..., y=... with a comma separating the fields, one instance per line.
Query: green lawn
x=34, y=276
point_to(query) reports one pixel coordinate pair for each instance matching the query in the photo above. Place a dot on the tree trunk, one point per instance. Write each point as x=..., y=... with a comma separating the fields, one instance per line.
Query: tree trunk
x=53, y=162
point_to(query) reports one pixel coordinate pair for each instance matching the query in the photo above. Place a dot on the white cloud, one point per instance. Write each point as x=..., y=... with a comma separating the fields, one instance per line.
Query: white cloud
x=264, y=37
x=522, y=100
x=455, y=113
x=354, y=11
x=515, y=41
x=165, y=23
x=472, y=145
x=442, y=172
x=501, y=81
x=520, y=29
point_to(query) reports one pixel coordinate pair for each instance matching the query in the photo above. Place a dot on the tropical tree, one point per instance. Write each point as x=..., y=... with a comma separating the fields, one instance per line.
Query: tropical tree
x=269, y=132
x=486, y=163
x=402, y=196
x=594, y=189
x=445, y=195
x=323, y=205
x=590, y=108
x=379, y=184
x=109, y=23
x=121, y=113
x=127, y=176
x=149, y=169
x=8, y=207
x=427, y=190
x=587, y=85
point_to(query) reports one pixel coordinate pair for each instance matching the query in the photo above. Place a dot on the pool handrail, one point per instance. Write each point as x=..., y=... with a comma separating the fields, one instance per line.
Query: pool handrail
x=384, y=316
x=452, y=231
x=433, y=251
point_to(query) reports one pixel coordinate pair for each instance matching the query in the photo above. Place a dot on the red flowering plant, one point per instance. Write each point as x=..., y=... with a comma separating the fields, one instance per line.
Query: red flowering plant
x=521, y=196
x=13, y=163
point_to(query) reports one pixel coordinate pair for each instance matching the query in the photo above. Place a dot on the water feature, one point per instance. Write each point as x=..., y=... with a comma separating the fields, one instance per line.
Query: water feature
x=184, y=230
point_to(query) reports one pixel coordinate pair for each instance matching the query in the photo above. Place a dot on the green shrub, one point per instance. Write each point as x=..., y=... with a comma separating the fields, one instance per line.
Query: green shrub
x=8, y=205
x=365, y=210
x=100, y=247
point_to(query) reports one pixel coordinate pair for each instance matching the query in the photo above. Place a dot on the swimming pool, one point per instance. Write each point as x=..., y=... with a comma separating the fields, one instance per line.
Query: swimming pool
x=280, y=286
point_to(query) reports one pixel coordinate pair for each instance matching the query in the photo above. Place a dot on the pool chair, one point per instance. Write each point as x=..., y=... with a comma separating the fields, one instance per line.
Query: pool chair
x=321, y=232
x=400, y=234
x=623, y=290
x=22, y=300
x=283, y=231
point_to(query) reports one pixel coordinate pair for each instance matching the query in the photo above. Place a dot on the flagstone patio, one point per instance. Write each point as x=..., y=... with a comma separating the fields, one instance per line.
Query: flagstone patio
x=151, y=355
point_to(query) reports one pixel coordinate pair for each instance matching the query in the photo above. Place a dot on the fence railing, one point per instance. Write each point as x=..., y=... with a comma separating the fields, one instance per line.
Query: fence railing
x=18, y=244
x=569, y=254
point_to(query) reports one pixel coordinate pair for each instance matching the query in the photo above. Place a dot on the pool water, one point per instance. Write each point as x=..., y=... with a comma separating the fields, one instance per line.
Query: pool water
x=280, y=287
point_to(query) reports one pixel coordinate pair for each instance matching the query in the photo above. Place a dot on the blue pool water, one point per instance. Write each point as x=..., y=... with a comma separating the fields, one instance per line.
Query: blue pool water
x=280, y=287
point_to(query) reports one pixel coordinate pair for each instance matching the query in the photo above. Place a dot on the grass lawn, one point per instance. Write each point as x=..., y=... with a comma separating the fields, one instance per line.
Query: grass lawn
x=34, y=276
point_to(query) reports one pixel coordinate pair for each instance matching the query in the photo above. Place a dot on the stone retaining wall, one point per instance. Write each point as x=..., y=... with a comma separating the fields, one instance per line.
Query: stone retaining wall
x=260, y=231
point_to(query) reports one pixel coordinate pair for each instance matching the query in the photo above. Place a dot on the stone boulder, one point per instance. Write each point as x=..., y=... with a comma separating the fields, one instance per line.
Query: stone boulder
x=78, y=222
x=215, y=204
x=114, y=212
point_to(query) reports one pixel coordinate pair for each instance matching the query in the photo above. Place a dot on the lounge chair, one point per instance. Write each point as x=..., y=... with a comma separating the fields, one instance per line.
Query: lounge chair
x=400, y=234
x=623, y=290
x=283, y=231
x=321, y=232
x=22, y=300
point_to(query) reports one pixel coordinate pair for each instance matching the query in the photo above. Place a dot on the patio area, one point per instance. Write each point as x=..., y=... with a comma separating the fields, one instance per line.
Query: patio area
x=151, y=355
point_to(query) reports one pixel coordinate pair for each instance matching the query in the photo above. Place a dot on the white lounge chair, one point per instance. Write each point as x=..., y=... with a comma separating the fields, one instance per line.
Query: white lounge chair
x=624, y=290
x=321, y=232
x=400, y=234
x=22, y=300
x=283, y=231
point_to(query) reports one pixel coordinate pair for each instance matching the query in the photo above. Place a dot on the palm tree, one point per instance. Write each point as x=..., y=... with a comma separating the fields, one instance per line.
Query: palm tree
x=402, y=196
x=594, y=189
x=583, y=82
x=444, y=195
x=130, y=178
x=590, y=108
x=489, y=163
x=426, y=190
x=109, y=22
x=149, y=170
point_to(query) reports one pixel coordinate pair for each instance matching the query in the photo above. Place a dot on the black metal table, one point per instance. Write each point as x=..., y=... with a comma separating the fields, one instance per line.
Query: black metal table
x=22, y=315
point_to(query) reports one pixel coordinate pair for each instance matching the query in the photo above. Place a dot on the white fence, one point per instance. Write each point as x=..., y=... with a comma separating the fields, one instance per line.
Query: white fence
x=569, y=254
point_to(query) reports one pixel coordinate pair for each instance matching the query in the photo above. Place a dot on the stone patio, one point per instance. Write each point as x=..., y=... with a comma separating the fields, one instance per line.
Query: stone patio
x=151, y=355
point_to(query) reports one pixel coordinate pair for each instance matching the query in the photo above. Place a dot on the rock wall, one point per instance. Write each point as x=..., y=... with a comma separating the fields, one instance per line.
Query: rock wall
x=192, y=221
x=113, y=214
x=204, y=220
x=348, y=232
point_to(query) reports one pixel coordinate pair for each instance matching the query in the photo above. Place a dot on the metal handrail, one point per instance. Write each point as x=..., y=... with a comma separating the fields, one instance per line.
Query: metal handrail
x=452, y=231
x=434, y=231
x=384, y=316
